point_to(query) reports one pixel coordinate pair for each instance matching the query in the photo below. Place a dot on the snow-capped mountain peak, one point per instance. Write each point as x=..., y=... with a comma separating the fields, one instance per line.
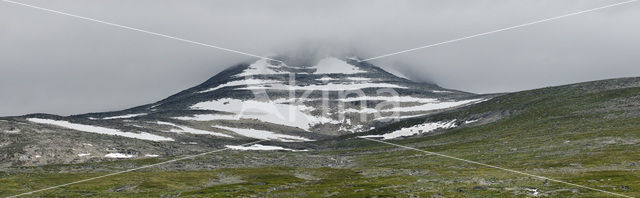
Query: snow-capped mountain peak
x=270, y=100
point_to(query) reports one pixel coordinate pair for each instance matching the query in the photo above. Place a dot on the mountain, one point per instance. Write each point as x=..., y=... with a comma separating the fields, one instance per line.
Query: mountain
x=585, y=134
x=292, y=97
x=259, y=100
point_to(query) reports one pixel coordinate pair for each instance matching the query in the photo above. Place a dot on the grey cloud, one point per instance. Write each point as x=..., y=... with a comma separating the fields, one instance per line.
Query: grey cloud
x=57, y=64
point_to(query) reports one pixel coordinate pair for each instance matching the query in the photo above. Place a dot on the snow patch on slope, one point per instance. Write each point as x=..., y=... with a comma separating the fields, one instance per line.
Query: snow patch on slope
x=124, y=116
x=358, y=79
x=260, y=67
x=390, y=98
x=434, y=106
x=393, y=118
x=333, y=65
x=326, y=78
x=184, y=129
x=471, y=121
x=265, y=135
x=247, y=81
x=208, y=117
x=326, y=87
x=118, y=155
x=260, y=147
x=268, y=111
x=415, y=130
x=429, y=106
x=100, y=130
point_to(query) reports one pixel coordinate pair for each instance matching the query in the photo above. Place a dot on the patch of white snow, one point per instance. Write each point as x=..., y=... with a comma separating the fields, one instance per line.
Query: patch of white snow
x=326, y=87
x=417, y=129
x=261, y=66
x=390, y=99
x=471, y=121
x=208, y=117
x=100, y=130
x=358, y=79
x=118, y=155
x=434, y=106
x=184, y=129
x=265, y=135
x=259, y=147
x=247, y=81
x=124, y=116
x=333, y=65
x=267, y=111
x=326, y=78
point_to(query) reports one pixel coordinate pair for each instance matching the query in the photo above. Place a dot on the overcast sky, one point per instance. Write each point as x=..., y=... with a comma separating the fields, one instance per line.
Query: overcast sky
x=62, y=65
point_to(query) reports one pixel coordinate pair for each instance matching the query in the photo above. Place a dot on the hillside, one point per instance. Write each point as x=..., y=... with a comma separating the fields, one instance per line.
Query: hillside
x=585, y=133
